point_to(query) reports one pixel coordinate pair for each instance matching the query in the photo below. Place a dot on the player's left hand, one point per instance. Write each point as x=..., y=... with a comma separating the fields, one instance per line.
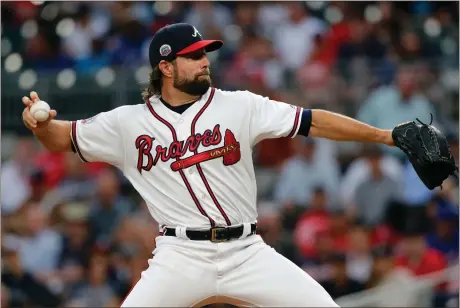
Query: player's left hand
x=428, y=151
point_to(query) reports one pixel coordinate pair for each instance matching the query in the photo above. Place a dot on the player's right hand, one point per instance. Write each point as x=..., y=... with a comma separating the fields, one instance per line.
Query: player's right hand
x=27, y=117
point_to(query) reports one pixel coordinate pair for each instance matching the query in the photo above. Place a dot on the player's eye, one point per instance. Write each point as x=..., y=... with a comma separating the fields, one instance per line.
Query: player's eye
x=197, y=55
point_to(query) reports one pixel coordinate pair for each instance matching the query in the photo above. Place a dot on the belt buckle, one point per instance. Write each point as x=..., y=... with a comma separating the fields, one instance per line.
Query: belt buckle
x=215, y=232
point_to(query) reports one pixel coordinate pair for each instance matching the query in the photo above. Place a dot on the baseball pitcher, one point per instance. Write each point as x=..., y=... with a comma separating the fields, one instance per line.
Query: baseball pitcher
x=187, y=151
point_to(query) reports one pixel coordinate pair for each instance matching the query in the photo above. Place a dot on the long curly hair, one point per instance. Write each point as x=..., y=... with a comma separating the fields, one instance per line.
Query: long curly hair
x=155, y=84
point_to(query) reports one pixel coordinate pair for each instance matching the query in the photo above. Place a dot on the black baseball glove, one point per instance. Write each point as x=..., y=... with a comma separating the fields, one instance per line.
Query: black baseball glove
x=428, y=151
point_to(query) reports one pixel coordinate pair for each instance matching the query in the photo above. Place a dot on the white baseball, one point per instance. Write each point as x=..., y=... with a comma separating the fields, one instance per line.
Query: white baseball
x=40, y=111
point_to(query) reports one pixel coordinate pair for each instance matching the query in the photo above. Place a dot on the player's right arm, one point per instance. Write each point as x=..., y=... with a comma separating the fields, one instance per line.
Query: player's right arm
x=53, y=134
x=98, y=139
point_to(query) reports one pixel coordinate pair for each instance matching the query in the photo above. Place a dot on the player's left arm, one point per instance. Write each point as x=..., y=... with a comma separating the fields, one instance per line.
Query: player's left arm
x=330, y=125
x=273, y=119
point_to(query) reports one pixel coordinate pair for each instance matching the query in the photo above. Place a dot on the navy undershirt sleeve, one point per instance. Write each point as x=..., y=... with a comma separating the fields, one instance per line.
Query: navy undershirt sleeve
x=305, y=123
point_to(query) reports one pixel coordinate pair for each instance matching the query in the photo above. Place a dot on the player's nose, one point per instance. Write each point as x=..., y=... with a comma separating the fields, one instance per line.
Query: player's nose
x=205, y=61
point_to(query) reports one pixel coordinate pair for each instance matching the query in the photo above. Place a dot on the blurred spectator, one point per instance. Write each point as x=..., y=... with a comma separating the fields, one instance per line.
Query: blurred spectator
x=417, y=257
x=125, y=274
x=121, y=13
x=359, y=259
x=37, y=186
x=337, y=35
x=43, y=52
x=108, y=207
x=270, y=155
x=360, y=171
x=270, y=15
x=125, y=45
x=327, y=235
x=78, y=44
x=133, y=234
x=338, y=230
x=133, y=243
x=15, y=187
x=270, y=228
x=382, y=266
x=412, y=48
x=362, y=57
x=52, y=166
x=245, y=16
x=99, y=58
x=302, y=173
x=361, y=44
x=314, y=221
x=445, y=236
x=315, y=77
x=340, y=284
x=58, y=166
x=76, y=182
x=40, y=246
x=318, y=265
x=205, y=15
x=294, y=49
x=74, y=257
x=100, y=18
x=256, y=63
x=389, y=106
x=24, y=290
x=374, y=194
x=96, y=291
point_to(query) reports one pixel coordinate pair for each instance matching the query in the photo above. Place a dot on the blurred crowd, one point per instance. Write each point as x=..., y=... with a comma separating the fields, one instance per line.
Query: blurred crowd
x=309, y=53
x=348, y=214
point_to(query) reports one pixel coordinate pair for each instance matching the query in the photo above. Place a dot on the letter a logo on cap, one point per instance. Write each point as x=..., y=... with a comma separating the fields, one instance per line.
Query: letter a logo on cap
x=196, y=32
x=165, y=50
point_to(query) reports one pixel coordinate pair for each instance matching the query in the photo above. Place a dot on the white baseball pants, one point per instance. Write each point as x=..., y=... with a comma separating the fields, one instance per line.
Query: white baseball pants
x=242, y=272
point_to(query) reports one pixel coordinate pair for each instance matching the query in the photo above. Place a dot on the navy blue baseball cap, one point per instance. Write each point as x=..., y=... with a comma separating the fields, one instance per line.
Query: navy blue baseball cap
x=178, y=39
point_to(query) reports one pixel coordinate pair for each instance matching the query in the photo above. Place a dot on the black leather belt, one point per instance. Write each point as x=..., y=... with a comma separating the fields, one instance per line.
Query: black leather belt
x=216, y=235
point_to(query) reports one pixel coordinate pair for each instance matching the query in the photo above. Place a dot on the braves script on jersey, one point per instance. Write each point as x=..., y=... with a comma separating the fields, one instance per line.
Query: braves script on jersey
x=193, y=169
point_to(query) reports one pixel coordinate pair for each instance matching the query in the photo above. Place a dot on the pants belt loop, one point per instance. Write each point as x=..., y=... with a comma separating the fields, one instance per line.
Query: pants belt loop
x=180, y=232
x=246, y=230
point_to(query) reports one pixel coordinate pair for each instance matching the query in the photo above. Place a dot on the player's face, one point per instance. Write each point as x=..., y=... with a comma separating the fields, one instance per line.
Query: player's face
x=191, y=73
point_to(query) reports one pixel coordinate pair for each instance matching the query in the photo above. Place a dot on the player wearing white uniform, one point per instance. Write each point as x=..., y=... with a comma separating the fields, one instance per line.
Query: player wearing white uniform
x=188, y=152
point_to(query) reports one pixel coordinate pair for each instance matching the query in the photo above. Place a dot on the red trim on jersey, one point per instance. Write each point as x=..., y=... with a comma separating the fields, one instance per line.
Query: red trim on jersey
x=181, y=172
x=296, y=122
x=198, y=167
x=74, y=139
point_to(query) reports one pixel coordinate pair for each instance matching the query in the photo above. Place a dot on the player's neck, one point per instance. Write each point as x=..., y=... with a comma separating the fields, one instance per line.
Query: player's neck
x=175, y=98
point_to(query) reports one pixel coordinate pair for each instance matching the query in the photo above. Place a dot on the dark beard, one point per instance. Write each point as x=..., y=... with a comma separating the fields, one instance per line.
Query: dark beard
x=192, y=87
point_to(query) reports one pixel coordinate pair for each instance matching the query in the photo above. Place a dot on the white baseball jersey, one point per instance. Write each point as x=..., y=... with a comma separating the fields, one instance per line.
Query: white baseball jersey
x=193, y=169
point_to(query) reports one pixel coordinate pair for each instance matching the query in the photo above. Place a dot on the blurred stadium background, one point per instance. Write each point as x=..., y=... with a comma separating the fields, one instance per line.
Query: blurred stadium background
x=356, y=218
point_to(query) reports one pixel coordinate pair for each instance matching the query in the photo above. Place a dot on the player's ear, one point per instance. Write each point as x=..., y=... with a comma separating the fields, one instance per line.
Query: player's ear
x=166, y=68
